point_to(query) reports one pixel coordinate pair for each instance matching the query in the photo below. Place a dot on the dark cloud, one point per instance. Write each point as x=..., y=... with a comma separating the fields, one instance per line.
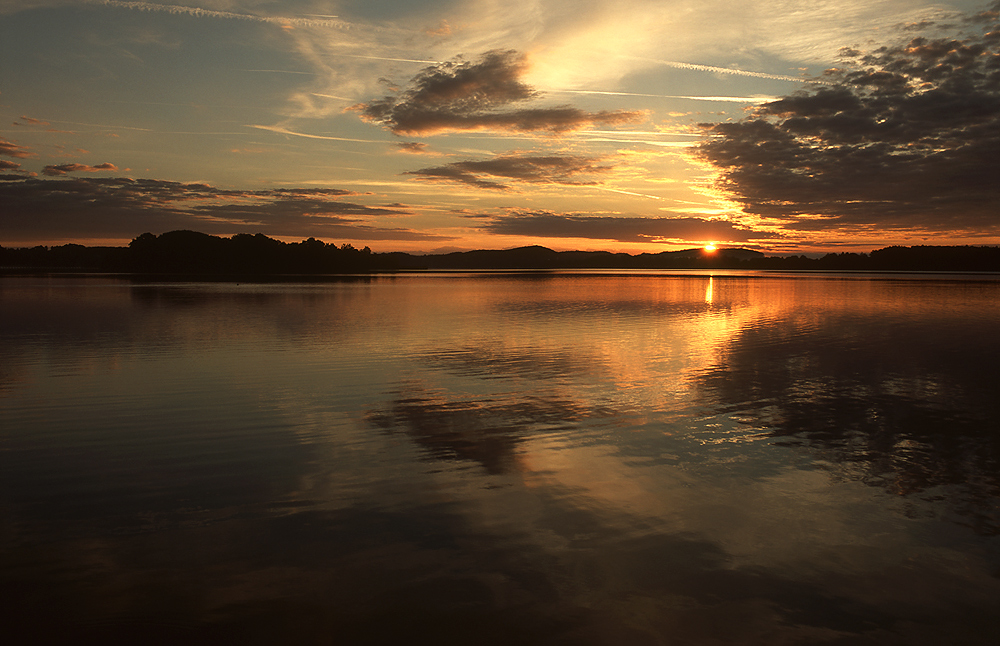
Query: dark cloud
x=902, y=137
x=10, y=149
x=464, y=96
x=891, y=400
x=486, y=431
x=623, y=229
x=14, y=170
x=28, y=121
x=515, y=168
x=415, y=147
x=36, y=209
x=58, y=170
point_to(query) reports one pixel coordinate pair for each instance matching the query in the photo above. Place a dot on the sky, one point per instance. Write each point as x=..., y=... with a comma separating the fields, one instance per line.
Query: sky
x=787, y=126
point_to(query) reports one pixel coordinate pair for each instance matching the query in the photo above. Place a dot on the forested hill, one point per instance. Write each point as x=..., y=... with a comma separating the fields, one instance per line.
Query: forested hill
x=190, y=252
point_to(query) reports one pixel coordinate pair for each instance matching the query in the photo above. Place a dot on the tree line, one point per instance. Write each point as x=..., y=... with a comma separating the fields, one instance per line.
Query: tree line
x=191, y=252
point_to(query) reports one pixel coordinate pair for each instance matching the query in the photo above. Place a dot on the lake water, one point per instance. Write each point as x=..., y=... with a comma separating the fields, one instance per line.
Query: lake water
x=502, y=458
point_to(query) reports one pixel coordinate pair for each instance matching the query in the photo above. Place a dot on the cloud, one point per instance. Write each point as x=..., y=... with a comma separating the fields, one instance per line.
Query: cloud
x=461, y=96
x=903, y=137
x=485, y=431
x=443, y=29
x=546, y=224
x=59, y=170
x=122, y=208
x=283, y=21
x=8, y=165
x=10, y=149
x=515, y=168
x=412, y=147
x=29, y=121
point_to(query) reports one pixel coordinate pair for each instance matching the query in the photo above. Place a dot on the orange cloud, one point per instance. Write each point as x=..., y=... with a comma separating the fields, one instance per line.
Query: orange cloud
x=443, y=29
x=10, y=149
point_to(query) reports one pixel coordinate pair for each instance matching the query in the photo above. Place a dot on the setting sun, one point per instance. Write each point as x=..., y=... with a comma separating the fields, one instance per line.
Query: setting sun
x=709, y=248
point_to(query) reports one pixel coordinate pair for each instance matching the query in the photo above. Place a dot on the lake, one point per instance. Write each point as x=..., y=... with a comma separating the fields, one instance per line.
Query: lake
x=502, y=458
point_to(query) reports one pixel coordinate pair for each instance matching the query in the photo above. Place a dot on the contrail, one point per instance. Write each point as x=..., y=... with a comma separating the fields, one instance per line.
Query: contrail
x=662, y=144
x=285, y=131
x=331, y=96
x=618, y=190
x=282, y=72
x=638, y=133
x=727, y=70
x=101, y=125
x=387, y=58
x=195, y=11
x=323, y=21
x=722, y=70
x=733, y=99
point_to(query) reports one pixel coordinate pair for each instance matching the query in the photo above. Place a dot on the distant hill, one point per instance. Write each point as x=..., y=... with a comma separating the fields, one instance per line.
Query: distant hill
x=191, y=252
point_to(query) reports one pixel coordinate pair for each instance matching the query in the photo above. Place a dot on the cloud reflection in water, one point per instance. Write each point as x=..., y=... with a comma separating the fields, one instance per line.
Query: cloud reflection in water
x=901, y=398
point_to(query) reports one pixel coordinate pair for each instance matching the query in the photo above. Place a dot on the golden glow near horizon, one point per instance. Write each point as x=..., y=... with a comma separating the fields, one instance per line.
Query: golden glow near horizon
x=443, y=127
x=709, y=248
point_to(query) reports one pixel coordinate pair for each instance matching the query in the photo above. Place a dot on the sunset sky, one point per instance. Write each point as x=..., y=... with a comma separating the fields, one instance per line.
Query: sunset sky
x=437, y=125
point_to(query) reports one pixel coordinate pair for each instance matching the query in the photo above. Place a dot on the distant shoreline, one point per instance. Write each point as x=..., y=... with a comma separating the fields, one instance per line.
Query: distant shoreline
x=188, y=253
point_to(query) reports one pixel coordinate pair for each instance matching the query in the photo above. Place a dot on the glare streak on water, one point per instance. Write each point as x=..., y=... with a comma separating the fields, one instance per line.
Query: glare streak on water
x=579, y=457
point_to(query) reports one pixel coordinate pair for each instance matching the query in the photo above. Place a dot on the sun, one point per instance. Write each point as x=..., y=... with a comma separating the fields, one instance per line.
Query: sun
x=709, y=248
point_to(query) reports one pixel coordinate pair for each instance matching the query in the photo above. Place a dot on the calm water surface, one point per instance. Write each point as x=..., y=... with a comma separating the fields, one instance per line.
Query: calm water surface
x=536, y=458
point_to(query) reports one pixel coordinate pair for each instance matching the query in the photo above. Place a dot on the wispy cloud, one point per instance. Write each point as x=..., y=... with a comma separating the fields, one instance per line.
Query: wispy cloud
x=548, y=224
x=467, y=96
x=309, y=21
x=30, y=121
